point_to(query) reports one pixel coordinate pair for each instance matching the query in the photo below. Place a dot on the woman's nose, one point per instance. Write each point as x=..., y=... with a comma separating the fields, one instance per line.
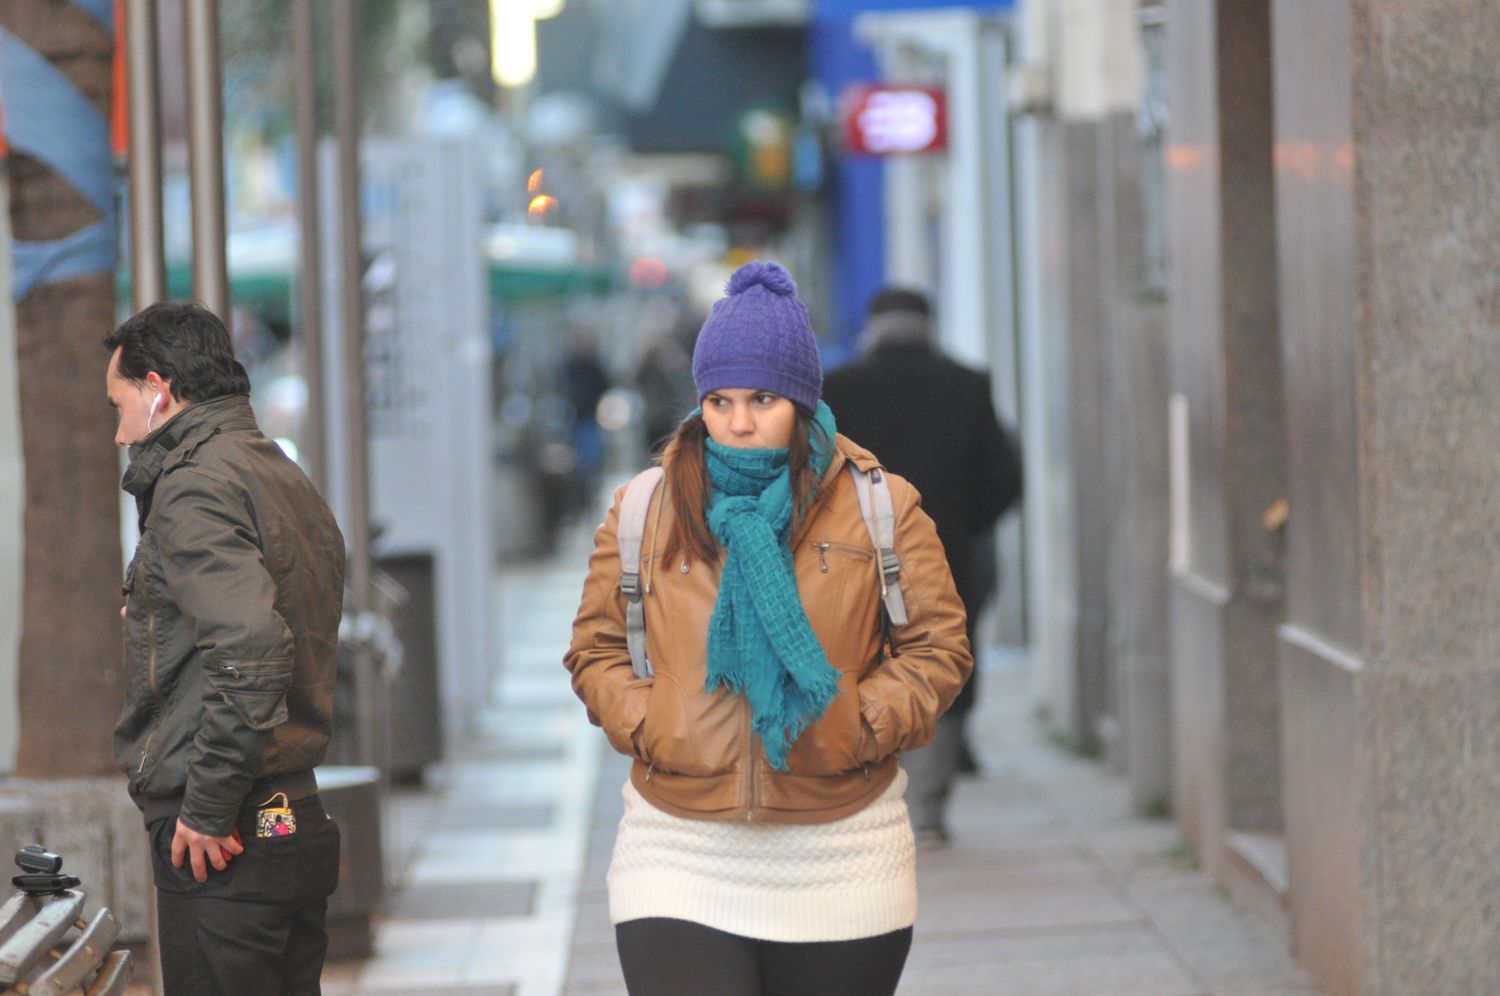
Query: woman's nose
x=740, y=422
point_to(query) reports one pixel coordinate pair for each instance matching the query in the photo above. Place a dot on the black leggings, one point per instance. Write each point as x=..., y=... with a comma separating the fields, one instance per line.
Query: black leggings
x=664, y=957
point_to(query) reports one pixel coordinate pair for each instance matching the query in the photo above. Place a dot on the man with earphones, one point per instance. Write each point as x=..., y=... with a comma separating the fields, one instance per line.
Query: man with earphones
x=232, y=605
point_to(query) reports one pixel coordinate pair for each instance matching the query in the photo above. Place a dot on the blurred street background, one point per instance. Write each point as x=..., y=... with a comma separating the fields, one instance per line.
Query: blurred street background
x=1229, y=265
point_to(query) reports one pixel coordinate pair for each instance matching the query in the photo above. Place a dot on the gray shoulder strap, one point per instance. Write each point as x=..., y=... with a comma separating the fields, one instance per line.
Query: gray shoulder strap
x=631, y=534
x=880, y=519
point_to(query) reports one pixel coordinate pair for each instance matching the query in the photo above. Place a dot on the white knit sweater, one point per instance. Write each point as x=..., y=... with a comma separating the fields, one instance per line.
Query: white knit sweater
x=854, y=877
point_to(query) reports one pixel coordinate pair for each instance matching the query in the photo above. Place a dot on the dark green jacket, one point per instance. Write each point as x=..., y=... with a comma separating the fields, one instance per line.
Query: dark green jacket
x=232, y=605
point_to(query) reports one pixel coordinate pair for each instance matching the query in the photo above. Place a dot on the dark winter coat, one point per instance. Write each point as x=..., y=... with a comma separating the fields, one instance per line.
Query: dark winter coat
x=932, y=421
x=232, y=613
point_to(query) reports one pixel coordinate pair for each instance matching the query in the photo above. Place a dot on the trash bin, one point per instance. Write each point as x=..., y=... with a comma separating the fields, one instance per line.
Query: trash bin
x=416, y=720
x=405, y=644
x=351, y=795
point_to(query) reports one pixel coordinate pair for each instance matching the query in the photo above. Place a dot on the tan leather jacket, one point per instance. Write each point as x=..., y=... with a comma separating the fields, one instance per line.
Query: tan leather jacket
x=694, y=752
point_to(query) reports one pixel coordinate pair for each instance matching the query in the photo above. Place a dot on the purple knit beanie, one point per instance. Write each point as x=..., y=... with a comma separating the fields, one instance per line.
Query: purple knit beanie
x=759, y=336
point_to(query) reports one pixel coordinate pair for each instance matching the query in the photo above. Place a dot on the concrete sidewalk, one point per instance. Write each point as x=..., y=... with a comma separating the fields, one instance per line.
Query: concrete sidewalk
x=1050, y=886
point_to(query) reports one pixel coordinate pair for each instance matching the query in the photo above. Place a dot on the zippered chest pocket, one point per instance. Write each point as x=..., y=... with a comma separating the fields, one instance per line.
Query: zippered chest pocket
x=840, y=594
x=255, y=689
x=831, y=554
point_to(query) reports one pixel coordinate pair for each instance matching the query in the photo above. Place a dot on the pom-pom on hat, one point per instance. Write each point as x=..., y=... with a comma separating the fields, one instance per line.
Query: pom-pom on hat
x=760, y=337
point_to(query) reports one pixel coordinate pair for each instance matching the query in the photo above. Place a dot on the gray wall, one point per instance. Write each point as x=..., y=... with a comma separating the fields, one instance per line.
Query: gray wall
x=1105, y=338
x=1322, y=639
x=1047, y=440
x=1135, y=462
x=1087, y=417
x=1227, y=599
x=1389, y=170
x=1427, y=243
x=1332, y=325
x=1099, y=359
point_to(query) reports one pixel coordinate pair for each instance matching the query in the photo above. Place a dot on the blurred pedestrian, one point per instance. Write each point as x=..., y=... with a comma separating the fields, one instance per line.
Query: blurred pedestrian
x=231, y=618
x=765, y=845
x=932, y=420
x=584, y=382
x=664, y=379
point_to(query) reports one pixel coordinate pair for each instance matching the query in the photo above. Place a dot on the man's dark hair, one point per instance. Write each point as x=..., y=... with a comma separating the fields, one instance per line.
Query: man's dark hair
x=186, y=345
x=900, y=299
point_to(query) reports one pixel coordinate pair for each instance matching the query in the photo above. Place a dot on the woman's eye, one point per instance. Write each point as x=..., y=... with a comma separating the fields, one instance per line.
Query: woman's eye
x=765, y=399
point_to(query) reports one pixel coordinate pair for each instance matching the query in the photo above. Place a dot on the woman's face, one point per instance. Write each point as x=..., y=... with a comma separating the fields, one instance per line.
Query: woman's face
x=745, y=418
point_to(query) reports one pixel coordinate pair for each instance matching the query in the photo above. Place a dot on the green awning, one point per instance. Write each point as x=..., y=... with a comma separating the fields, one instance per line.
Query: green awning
x=270, y=291
x=510, y=283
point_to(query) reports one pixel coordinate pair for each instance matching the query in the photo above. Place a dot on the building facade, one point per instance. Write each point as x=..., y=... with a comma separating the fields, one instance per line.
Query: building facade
x=1265, y=301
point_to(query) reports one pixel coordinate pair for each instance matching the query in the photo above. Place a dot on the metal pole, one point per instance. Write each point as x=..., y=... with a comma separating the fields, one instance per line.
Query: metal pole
x=310, y=255
x=206, y=155
x=351, y=317
x=148, y=268
x=148, y=265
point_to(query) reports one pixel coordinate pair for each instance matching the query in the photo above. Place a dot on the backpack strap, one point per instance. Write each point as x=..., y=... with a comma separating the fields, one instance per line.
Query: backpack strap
x=880, y=519
x=630, y=534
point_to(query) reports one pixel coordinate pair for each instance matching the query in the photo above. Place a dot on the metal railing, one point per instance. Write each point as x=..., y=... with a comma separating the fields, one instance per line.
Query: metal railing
x=39, y=951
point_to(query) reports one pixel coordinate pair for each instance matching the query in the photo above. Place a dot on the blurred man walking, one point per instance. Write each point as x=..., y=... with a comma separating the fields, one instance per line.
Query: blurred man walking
x=232, y=606
x=932, y=421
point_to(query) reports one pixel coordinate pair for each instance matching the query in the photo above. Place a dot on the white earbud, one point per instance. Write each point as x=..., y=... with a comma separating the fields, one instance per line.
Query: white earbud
x=155, y=404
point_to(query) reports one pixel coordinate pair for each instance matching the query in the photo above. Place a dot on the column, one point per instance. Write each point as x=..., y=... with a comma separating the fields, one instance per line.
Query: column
x=1386, y=171
x=1227, y=584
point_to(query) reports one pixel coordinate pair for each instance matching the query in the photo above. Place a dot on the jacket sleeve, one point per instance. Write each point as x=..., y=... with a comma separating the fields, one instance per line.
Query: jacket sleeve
x=216, y=573
x=996, y=462
x=903, y=698
x=598, y=657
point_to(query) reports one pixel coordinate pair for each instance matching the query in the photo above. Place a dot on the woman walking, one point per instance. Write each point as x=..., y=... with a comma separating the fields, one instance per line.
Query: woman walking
x=765, y=846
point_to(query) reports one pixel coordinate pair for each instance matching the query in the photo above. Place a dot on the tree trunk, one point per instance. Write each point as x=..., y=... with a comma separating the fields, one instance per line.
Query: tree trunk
x=70, y=686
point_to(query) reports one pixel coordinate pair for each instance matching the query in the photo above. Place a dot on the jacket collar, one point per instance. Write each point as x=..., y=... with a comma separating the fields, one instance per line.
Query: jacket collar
x=175, y=442
x=896, y=329
x=845, y=451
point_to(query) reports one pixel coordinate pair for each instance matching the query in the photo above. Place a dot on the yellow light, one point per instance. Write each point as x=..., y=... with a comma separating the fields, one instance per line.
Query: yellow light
x=512, y=43
x=513, y=38
x=541, y=205
x=535, y=181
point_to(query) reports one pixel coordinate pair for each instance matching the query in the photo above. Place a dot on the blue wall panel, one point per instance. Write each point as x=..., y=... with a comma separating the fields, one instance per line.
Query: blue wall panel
x=858, y=244
x=834, y=10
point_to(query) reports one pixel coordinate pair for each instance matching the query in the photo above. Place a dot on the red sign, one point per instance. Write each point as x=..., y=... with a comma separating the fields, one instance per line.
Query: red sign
x=883, y=120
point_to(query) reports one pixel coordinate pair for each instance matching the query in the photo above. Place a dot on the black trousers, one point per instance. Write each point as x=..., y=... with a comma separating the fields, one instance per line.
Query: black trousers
x=665, y=957
x=258, y=927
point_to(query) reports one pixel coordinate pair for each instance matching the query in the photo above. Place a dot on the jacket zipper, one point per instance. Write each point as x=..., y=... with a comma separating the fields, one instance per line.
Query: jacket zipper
x=151, y=677
x=749, y=767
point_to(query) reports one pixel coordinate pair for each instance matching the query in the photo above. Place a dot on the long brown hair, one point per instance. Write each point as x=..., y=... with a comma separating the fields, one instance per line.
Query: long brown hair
x=688, y=486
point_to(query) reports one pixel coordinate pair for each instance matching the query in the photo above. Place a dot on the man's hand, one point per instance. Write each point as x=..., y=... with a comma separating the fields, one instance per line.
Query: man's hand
x=217, y=850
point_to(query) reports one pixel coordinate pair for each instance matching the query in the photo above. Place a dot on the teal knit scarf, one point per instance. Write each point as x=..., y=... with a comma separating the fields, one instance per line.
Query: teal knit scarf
x=760, y=643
